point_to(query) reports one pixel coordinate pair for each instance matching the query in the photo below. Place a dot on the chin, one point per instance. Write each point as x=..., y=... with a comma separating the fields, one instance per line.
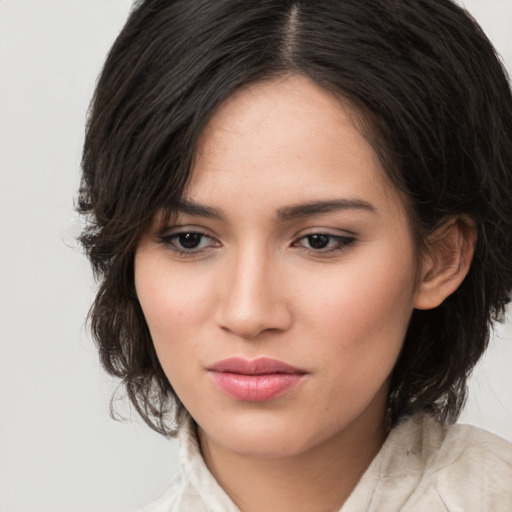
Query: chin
x=266, y=445
x=267, y=435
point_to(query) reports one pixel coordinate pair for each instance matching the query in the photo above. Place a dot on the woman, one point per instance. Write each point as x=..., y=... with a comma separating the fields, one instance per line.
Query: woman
x=300, y=217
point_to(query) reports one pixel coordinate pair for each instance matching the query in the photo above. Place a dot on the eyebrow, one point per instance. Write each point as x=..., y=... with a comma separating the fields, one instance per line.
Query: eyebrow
x=198, y=210
x=320, y=207
x=297, y=211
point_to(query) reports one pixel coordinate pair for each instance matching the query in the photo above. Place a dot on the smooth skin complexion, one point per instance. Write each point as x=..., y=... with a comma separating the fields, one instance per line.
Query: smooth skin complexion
x=291, y=244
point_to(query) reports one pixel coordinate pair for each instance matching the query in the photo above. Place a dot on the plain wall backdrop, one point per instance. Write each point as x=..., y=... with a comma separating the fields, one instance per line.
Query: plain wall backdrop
x=59, y=449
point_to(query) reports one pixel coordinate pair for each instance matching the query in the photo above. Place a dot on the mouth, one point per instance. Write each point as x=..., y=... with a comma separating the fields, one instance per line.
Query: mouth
x=259, y=380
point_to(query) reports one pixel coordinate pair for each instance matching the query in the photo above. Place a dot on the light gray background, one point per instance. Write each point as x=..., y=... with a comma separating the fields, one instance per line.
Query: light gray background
x=59, y=450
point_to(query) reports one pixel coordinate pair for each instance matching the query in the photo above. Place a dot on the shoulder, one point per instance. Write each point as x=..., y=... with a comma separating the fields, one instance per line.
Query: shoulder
x=460, y=448
x=459, y=466
x=472, y=468
x=425, y=466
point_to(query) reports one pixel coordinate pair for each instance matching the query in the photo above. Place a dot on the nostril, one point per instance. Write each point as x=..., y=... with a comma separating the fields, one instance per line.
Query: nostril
x=250, y=324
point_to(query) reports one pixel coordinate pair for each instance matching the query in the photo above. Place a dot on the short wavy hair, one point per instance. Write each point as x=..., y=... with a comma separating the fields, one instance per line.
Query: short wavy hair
x=436, y=106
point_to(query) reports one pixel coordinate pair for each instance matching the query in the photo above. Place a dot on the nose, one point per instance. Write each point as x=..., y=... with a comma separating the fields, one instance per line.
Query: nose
x=252, y=301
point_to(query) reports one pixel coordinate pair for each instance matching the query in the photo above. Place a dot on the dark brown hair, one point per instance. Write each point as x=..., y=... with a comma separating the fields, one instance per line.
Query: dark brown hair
x=438, y=108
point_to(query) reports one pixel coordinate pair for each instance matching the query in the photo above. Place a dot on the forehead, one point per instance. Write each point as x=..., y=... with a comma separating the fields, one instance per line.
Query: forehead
x=286, y=139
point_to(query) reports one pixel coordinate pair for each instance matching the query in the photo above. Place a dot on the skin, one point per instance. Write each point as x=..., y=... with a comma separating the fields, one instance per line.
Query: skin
x=254, y=287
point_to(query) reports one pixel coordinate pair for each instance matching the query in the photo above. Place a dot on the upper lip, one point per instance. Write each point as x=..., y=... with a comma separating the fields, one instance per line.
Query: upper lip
x=260, y=366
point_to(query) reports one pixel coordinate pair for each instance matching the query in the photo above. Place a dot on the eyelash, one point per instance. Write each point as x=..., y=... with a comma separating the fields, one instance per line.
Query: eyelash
x=336, y=243
x=170, y=241
x=339, y=243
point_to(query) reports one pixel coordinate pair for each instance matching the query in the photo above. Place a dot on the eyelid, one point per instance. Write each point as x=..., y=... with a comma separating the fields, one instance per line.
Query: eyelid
x=183, y=228
x=169, y=234
x=342, y=242
x=325, y=231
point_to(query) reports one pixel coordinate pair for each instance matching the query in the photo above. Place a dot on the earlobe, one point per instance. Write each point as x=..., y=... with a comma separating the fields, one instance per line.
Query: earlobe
x=446, y=262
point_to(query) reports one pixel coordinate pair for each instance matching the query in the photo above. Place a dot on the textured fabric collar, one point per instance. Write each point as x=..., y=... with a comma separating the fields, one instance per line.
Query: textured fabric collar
x=423, y=466
x=196, y=475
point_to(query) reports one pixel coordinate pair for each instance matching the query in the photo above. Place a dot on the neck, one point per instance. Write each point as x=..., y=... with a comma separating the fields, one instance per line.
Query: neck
x=320, y=479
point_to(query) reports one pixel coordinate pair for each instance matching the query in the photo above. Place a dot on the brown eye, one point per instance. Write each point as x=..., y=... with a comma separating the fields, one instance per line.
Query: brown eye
x=325, y=243
x=189, y=240
x=318, y=241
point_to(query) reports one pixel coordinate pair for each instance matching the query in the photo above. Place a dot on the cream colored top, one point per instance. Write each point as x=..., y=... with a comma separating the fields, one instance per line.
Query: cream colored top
x=422, y=467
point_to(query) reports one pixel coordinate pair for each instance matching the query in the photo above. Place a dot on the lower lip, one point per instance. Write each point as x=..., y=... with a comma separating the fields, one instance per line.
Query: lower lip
x=256, y=388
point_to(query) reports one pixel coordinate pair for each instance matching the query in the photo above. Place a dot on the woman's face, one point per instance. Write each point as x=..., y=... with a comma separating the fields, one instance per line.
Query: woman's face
x=290, y=245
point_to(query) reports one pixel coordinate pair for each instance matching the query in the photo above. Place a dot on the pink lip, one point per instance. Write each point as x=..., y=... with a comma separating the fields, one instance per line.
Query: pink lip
x=255, y=381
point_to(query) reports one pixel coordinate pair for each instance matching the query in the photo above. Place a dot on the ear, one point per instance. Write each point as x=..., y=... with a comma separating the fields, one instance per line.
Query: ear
x=446, y=262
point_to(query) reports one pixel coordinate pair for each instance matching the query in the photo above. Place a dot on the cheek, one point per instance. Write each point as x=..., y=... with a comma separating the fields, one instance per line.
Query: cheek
x=362, y=291
x=174, y=307
x=176, y=304
x=362, y=324
x=360, y=311
x=167, y=296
